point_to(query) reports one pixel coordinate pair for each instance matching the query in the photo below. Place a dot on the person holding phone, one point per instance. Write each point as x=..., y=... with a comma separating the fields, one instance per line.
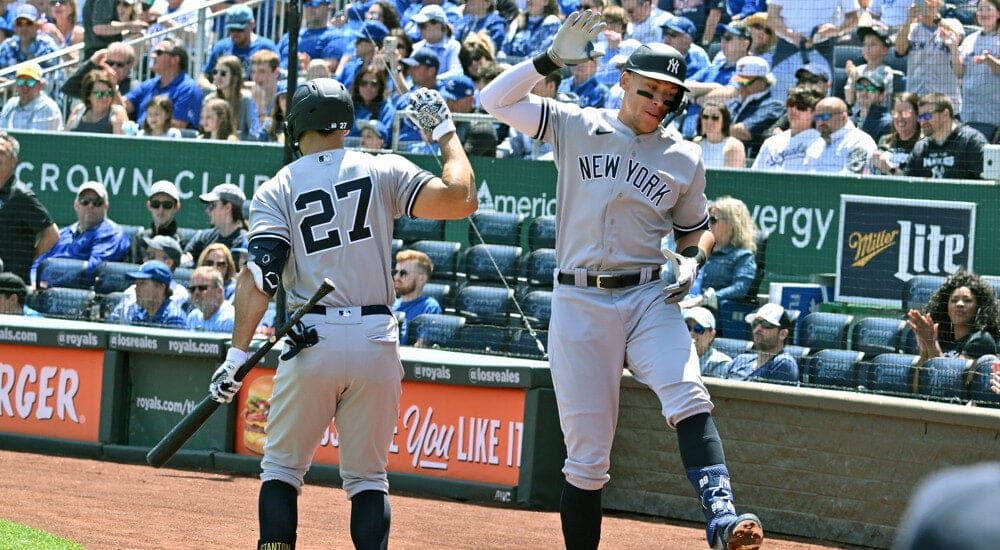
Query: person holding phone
x=932, y=46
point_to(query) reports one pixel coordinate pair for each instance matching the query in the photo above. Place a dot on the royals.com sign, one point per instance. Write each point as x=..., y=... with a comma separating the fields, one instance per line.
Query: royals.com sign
x=884, y=242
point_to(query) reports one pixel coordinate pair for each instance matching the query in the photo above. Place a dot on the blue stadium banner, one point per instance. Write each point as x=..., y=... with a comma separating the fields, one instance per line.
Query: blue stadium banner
x=884, y=242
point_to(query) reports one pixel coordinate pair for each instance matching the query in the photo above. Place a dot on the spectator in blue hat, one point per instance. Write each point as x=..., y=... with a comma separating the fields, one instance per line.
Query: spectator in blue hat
x=367, y=42
x=315, y=37
x=368, y=91
x=242, y=42
x=423, y=70
x=371, y=134
x=152, y=305
x=435, y=35
x=679, y=33
x=26, y=43
x=589, y=91
x=735, y=45
x=481, y=15
x=479, y=137
x=702, y=15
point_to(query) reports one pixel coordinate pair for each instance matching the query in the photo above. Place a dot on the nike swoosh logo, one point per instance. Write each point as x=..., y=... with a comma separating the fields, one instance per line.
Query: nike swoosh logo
x=602, y=131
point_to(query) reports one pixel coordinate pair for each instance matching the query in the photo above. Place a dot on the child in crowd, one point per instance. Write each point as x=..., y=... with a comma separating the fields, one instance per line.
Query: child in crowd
x=159, y=112
x=217, y=121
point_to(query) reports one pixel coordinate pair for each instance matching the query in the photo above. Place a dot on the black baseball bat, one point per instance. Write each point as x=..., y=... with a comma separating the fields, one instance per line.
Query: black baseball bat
x=179, y=434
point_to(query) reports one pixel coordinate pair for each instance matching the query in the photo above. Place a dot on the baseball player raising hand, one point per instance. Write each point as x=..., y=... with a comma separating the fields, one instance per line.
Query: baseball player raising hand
x=624, y=183
x=330, y=214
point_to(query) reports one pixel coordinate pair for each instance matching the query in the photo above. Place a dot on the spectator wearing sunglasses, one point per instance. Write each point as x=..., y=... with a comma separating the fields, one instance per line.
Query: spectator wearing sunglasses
x=701, y=325
x=413, y=270
x=170, y=63
x=730, y=269
x=118, y=58
x=152, y=305
x=101, y=111
x=101, y=26
x=211, y=313
x=708, y=82
x=228, y=79
x=242, y=42
x=219, y=257
x=718, y=148
x=32, y=109
x=876, y=42
x=93, y=238
x=843, y=148
x=755, y=109
x=785, y=151
x=163, y=203
x=167, y=250
x=768, y=361
x=224, y=207
x=63, y=15
x=27, y=43
x=949, y=149
x=869, y=111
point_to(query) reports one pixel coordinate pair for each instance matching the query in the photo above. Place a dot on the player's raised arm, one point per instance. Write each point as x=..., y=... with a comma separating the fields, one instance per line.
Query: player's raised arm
x=508, y=96
x=453, y=195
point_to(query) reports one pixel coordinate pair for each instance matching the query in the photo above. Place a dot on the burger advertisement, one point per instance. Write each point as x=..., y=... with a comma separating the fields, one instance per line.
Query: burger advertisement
x=255, y=404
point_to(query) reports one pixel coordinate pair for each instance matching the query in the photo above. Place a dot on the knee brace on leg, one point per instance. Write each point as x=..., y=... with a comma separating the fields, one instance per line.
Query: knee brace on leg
x=580, y=513
x=278, y=513
x=370, y=519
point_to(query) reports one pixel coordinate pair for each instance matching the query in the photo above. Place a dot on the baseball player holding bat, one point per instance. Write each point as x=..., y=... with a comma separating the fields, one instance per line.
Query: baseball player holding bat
x=331, y=212
x=624, y=183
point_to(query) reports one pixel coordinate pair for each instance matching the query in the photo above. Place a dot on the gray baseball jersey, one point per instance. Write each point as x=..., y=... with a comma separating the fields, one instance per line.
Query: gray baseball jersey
x=336, y=210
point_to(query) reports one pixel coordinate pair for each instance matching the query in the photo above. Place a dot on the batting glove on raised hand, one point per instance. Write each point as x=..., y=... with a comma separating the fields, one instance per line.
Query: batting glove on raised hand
x=430, y=112
x=573, y=44
x=685, y=272
x=224, y=387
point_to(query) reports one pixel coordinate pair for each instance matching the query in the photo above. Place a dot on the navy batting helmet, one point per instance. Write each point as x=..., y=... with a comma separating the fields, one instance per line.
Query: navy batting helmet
x=660, y=62
x=321, y=104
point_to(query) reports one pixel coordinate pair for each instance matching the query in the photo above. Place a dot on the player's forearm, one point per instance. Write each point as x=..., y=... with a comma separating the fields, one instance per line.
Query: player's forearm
x=703, y=239
x=512, y=86
x=458, y=177
x=251, y=304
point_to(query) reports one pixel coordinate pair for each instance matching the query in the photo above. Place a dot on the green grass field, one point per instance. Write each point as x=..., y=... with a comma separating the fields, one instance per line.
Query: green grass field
x=20, y=537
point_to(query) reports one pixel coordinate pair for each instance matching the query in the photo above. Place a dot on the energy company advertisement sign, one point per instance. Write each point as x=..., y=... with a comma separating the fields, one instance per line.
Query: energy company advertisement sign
x=456, y=432
x=884, y=242
x=50, y=392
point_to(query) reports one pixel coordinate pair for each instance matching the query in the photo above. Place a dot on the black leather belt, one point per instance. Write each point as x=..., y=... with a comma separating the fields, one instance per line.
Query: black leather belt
x=365, y=310
x=609, y=281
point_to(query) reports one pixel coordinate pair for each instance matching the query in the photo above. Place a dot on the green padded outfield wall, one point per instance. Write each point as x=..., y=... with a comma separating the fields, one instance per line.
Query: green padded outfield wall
x=802, y=213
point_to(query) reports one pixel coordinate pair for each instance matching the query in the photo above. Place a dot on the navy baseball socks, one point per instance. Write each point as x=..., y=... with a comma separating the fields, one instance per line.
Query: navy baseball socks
x=370, y=518
x=705, y=465
x=580, y=513
x=278, y=512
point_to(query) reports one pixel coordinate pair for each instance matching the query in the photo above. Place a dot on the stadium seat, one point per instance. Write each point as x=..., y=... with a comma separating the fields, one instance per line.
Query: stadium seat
x=185, y=234
x=488, y=339
x=731, y=319
x=834, y=367
x=843, y=52
x=484, y=304
x=537, y=305
x=732, y=346
x=898, y=82
x=896, y=63
x=918, y=290
x=444, y=256
x=877, y=335
x=106, y=303
x=801, y=356
x=944, y=377
x=979, y=388
x=891, y=373
x=63, y=272
x=440, y=292
x=479, y=266
x=839, y=81
x=542, y=233
x=539, y=267
x=435, y=330
x=493, y=227
x=417, y=229
x=524, y=344
x=64, y=303
x=820, y=330
x=182, y=276
x=113, y=277
x=993, y=281
x=396, y=245
x=130, y=231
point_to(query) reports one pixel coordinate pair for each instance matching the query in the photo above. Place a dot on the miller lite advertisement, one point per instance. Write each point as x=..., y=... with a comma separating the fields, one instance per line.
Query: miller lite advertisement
x=884, y=242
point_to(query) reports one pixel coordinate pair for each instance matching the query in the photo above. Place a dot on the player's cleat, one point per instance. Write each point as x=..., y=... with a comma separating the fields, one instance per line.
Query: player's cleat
x=743, y=533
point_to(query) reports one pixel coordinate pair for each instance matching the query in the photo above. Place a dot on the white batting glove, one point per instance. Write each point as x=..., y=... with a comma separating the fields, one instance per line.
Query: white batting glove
x=573, y=44
x=224, y=387
x=685, y=272
x=430, y=112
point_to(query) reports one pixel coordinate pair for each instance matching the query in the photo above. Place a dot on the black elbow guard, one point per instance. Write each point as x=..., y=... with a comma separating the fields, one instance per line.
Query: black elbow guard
x=266, y=257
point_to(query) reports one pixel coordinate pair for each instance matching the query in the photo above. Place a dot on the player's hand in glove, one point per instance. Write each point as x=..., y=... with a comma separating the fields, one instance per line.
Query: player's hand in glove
x=685, y=272
x=224, y=387
x=430, y=112
x=573, y=44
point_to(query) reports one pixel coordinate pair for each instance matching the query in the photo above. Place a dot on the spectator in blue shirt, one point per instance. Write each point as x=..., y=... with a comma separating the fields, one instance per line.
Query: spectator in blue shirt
x=93, y=237
x=13, y=292
x=769, y=361
x=316, y=36
x=481, y=15
x=679, y=33
x=423, y=72
x=532, y=32
x=589, y=92
x=27, y=43
x=735, y=45
x=367, y=42
x=242, y=42
x=211, y=313
x=413, y=269
x=755, y=109
x=152, y=305
x=170, y=61
x=730, y=270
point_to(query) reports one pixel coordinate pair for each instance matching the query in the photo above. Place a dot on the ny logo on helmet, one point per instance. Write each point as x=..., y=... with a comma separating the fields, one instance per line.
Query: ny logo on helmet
x=673, y=66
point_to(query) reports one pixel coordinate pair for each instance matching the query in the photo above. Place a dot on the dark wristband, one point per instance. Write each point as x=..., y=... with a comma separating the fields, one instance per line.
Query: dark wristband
x=695, y=252
x=544, y=64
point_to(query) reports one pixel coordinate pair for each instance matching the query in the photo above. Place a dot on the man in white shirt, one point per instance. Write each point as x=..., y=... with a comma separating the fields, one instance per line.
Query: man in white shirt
x=844, y=148
x=32, y=109
x=786, y=150
x=644, y=21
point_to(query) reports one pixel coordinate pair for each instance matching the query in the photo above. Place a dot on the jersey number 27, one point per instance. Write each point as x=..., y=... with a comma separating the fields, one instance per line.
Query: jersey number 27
x=359, y=230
